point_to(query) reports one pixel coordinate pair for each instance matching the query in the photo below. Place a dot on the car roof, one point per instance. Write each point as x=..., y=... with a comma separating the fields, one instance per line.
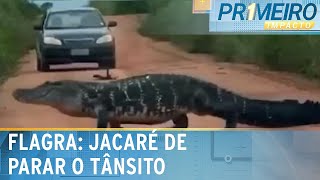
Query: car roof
x=71, y=9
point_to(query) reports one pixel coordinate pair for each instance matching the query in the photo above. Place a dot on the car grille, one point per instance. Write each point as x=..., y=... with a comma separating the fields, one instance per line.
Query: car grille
x=78, y=42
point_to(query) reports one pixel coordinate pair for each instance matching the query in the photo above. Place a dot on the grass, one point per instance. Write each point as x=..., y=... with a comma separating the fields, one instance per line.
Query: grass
x=16, y=33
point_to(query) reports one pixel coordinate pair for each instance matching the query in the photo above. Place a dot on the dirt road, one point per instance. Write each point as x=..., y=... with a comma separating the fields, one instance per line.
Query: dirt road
x=138, y=55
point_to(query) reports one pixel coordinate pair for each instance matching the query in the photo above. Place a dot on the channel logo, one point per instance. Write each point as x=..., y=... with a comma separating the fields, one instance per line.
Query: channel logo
x=265, y=16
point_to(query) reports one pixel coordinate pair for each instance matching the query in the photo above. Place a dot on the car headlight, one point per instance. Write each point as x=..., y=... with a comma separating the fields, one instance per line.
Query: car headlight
x=52, y=40
x=104, y=39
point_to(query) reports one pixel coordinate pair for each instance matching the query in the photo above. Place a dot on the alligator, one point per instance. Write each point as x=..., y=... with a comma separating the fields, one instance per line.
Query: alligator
x=158, y=98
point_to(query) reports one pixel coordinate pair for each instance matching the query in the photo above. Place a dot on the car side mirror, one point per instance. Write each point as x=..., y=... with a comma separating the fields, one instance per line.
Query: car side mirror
x=112, y=24
x=37, y=27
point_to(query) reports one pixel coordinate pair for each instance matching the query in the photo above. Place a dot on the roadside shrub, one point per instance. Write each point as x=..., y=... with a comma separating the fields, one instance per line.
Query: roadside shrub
x=16, y=33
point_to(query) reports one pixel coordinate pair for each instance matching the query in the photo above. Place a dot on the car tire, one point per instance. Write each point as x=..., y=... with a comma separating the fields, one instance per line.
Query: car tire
x=42, y=65
x=108, y=64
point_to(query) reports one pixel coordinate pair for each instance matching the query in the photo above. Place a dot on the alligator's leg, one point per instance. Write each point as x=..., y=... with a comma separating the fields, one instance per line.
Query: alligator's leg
x=181, y=121
x=102, y=117
x=231, y=120
x=115, y=123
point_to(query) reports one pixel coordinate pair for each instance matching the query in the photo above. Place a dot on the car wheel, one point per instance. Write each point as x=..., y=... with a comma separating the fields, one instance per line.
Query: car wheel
x=42, y=65
x=38, y=65
x=108, y=64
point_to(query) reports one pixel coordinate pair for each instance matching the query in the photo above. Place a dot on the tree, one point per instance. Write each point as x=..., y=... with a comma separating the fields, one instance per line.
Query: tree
x=45, y=6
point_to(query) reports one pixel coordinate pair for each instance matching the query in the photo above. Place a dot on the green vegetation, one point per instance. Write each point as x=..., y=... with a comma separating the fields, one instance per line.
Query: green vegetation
x=120, y=7
x=16, y=33
x=46, y=6
x=173, y=20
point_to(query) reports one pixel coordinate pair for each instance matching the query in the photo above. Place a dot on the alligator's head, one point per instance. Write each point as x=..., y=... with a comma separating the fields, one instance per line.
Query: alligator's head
x=62, y=95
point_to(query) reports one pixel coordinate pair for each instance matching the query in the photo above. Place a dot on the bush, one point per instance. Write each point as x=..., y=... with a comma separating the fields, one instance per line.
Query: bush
x=16, y=33
x=120, y=7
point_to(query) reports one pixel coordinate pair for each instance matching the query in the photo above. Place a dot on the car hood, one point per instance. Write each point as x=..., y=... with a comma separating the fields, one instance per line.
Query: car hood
x=76, y=33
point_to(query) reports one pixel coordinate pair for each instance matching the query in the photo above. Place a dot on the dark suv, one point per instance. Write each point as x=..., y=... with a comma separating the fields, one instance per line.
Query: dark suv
x=75, y=35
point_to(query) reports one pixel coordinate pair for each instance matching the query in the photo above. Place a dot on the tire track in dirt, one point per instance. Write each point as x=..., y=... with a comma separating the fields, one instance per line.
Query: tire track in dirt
x=138, y=55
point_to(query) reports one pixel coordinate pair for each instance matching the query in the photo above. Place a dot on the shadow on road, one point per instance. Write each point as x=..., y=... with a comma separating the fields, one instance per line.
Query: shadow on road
x=60, y=70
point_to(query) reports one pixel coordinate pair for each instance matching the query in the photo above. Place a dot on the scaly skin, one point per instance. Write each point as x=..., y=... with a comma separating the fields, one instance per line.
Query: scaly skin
x=157, y=98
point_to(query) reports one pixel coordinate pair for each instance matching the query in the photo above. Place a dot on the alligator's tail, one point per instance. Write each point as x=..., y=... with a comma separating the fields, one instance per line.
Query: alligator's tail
x=278, y=114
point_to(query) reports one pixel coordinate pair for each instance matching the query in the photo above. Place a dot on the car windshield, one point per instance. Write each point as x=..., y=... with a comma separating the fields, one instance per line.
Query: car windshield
x=74, y=19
